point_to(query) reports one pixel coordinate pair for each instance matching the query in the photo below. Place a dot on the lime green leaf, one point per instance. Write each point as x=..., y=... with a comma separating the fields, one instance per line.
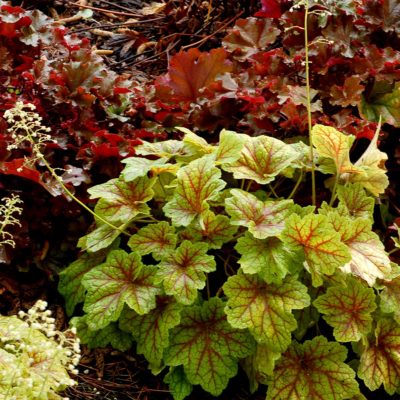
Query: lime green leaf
x=70, y=285
x=121, y=279
x=157, y=239
x=373, y=172
x=269, y=258
x=262, y=159
x=348, y=309
x=151, y=331
x=197, y=183
x=230, y=146
x=380, y=360
x=194, y=144
x=265, y=309
x=215, y=230
x=182, y=272
x=384, y=105
x=368, y=257
x=111, y=334
x=332, y=144
x=178, y=384
x=137, y=167
x=207, y=346
x=166, y=149
x=323, y=250
x=390, y=297
x=356, y=201
x=99, y=239
x=263, y=219
x=120, y=201
x=314, y=370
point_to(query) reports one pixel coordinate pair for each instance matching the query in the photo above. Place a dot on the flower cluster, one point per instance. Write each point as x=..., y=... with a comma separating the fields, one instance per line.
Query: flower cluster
x=7, y=218
x=35, y=357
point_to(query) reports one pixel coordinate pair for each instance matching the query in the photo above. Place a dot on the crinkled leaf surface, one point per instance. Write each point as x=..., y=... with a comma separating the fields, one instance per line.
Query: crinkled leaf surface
x=332, y=144
x=356, y=201
x=165, y=149
x=197, y=183
x=99, y=239
x=194, y=144
x=190, y=71
x=385, y=105
x=122, y=279
x=182, y=272
x=348, y=309
x=269, y=258
x=323, y=250
x=263, y=219
x=250, y=35
x=158, y=239
x=151, y=330
x=262, y=159
x=368, y=257
x=390, y=297
x=121, y=201
x=229, y=147
x=380, y=360
x=137, y=167
x=207, y=346
x=178, y=383
x=313, y=370
x=265, y=308
x=111, y=334
x=70, y=284
x=215, y=230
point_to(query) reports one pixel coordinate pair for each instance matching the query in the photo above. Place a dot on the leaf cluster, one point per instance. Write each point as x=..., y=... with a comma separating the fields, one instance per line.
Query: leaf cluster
x=210, y=267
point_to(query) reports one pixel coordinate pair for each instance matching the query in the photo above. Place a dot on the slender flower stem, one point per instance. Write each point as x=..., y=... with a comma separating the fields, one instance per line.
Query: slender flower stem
x=308, y=94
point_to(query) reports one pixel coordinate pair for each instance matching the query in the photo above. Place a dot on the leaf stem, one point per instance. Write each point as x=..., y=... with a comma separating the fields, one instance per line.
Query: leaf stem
x=308, y=94
x=296, y=186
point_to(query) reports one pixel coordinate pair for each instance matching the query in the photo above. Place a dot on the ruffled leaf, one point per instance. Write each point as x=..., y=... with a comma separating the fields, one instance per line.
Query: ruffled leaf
x=207, y=346
x=265, y=308
x=356, y=201
x=178, y=384
x=122, y=279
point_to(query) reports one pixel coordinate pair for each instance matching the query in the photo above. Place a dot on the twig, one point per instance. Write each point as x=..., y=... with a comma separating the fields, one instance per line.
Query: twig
x=104, y=11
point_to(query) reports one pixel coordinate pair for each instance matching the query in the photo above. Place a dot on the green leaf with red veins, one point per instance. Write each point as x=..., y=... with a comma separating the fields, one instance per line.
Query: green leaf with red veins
x=390, y=297
x=356, y=201
x=178, y=383
x=229, y=147
x=139, y=167
x=369, y=260
x=269, y=258
x=262, y=159
x=197, y=183
x=195, y=145
x=122, y=279
x=323, y=250
x=207, y=346
x=313, y=370
x=249, y=36
x=380, y=360
x=182, y=272
x=334, y=145
x=158, y=239
x=99, y=239
x=263, y=219
x=265, y=309
x=121, y=201
x=385, y=105
x=151, y=331
x=215, y=230
x=347, y=308
x=166, y=149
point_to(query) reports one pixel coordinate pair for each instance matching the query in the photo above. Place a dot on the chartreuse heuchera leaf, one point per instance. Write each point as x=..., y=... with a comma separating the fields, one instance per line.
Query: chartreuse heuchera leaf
x=380, y=359
x=314, y=370
x=197, y=183
x=265, y=308
x=207, y=346
x=122, y=279
x=323, y=250
x=348, y=309
x=218, y=275
x=263, y=219
x=182, y=272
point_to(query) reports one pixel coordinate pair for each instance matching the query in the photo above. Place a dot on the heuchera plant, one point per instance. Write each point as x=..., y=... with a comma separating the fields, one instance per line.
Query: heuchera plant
x=210, y=267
